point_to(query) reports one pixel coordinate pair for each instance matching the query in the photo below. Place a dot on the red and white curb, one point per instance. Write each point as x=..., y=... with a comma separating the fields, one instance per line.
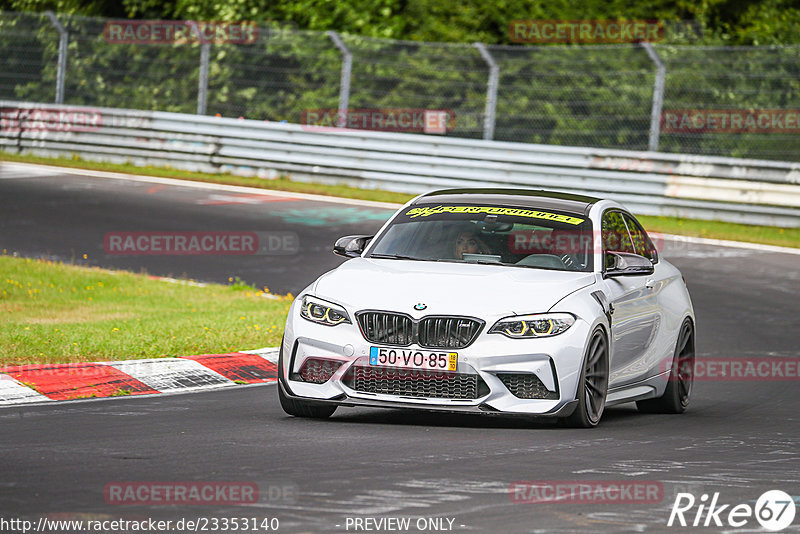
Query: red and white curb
x=27, y=384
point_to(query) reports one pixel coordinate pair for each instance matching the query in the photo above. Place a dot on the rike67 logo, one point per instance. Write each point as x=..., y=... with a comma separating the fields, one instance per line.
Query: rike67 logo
x=774, y=511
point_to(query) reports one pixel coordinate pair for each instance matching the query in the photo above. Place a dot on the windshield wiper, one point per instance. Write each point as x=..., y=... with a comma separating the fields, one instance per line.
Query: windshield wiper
x=474, y=262
x=394, y=257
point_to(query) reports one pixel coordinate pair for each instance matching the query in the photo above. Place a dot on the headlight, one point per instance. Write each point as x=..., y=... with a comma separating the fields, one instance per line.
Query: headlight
x=538, y=325
x=322, y=312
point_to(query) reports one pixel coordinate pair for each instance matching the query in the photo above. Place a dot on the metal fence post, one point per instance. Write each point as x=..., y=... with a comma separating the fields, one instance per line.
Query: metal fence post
x=202, y=83
x=344, y=82
x=61, y=70
x=491, y=91
x=658, y=97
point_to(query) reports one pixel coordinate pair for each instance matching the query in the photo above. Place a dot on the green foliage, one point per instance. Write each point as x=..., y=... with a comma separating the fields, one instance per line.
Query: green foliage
x=747, y=79
x=240, y=285
x=94, y=8
x=590, y=95
x=466, y=21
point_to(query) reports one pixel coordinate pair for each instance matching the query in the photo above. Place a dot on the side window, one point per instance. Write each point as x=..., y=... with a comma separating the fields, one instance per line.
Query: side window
x=615, y=236
x=641, y=241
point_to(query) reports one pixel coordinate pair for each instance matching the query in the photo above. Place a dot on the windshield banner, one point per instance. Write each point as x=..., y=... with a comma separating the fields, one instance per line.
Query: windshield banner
x=493, y=210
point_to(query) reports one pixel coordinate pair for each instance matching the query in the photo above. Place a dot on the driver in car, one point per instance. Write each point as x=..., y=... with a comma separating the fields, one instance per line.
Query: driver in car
x=467, y=242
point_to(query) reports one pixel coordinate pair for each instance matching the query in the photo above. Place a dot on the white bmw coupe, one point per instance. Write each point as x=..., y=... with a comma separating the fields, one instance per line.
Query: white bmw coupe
x=502, y=301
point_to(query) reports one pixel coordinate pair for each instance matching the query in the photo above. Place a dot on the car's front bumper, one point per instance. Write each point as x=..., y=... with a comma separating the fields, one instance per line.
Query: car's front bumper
x=556, y=361
x=564, y=410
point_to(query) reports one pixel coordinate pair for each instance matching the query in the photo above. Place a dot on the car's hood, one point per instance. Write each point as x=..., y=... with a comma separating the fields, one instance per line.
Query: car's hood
x=446, y=288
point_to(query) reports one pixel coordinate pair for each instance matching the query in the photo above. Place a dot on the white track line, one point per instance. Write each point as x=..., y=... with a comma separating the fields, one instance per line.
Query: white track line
x=725, y=243
x=16, y=171
x=206, y=185
x=338, y=200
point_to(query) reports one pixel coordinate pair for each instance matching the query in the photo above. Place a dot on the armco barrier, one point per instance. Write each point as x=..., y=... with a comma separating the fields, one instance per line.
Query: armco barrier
x=653, y=183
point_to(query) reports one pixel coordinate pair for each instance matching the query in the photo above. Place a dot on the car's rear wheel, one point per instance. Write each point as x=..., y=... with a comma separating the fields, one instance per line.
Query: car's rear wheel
x=299, y=408
x=593, y=384
x=681, y=377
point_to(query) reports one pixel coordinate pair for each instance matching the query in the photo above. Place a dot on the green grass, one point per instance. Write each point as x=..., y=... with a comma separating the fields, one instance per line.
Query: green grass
x=768, y=235
x=58, y=313
x=787, y=237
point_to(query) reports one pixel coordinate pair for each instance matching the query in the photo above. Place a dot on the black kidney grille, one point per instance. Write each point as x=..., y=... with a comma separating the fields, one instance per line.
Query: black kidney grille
x=447, y=332
x=387, y=328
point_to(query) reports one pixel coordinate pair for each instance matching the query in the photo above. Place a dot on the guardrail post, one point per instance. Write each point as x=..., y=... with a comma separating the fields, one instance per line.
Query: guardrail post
x=18, y=138
x=491, y=91
x=344, y=81
x=61, y=70
x=202, y=83
x=658, y=97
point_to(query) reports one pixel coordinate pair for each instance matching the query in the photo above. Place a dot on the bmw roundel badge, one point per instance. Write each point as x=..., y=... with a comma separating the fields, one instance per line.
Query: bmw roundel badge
x=420, y=306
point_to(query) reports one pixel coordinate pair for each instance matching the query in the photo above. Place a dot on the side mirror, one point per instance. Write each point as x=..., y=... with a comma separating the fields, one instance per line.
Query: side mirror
x=351, y=246
x=627, y=264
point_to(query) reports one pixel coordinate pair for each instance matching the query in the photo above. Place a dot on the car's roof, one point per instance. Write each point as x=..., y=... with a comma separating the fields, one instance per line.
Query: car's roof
x=527, y=198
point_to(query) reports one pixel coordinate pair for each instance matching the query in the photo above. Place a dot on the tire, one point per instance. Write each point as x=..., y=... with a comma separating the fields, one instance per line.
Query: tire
x=298, y=408
x=681, y=377
x=593, y=384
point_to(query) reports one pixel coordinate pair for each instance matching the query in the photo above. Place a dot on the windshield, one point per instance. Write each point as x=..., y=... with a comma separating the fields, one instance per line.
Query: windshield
x=502, y=235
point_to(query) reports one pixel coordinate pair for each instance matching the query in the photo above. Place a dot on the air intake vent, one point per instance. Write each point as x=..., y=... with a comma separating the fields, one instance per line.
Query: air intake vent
x=415, y=383
x=526, y=386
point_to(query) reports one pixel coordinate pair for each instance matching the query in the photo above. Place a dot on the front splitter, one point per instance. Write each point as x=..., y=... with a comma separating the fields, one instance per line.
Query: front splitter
x=344, y=400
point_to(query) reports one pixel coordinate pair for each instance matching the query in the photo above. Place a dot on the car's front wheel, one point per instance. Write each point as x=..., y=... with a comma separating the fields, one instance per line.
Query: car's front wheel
x=681, y=377
x=593, y=384
x=297, y=407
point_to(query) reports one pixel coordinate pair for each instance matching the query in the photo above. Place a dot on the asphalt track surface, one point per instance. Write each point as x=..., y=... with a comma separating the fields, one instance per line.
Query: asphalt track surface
x=739, y=438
